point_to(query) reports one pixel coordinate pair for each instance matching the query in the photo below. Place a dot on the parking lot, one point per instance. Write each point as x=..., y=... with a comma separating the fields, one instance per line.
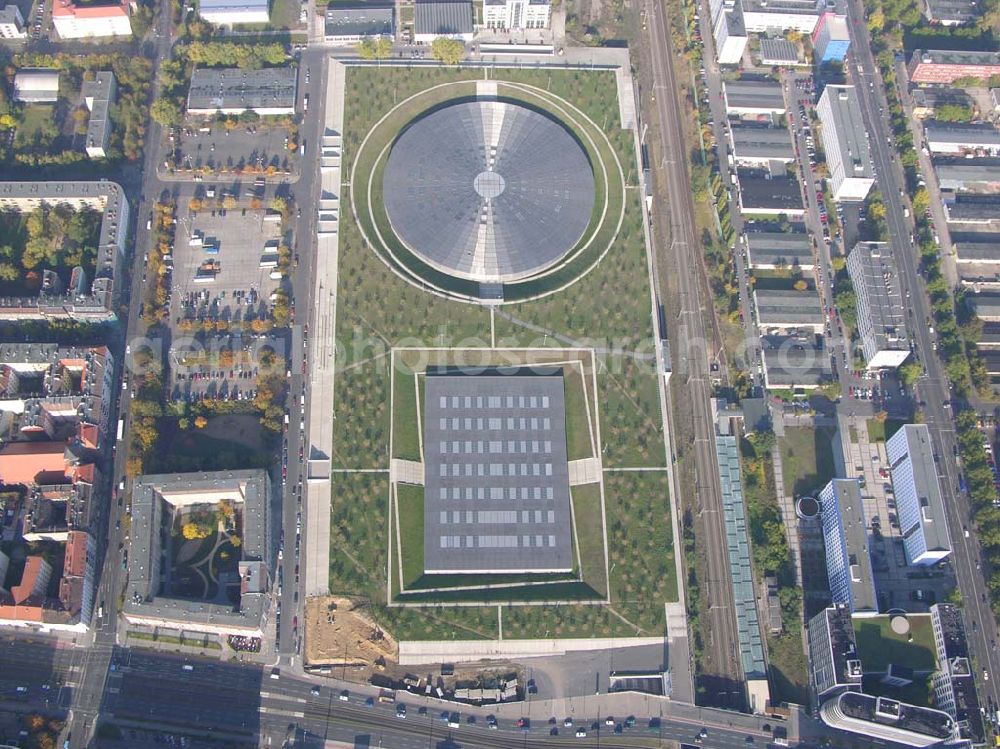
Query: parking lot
x=897, y=584
x=230, y=243
x=246, y=149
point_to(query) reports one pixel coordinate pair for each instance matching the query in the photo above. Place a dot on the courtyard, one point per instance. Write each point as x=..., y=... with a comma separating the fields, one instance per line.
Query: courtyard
x=204, y=553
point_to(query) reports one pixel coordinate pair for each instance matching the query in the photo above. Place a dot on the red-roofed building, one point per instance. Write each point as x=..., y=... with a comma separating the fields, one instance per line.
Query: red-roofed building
x=90, y=436
x=34, y=581
x=28, y=463
x=27, y=603
x=76, y=588
x=84, y=21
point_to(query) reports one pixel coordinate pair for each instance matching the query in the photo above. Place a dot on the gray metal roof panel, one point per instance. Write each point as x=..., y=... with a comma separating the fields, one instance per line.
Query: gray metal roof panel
x=496, y=480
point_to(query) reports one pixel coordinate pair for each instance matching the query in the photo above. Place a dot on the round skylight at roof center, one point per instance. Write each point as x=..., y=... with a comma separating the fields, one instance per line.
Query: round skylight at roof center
x=488, y=190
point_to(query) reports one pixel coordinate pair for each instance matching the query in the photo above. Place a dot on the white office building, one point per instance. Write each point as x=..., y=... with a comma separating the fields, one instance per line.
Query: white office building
x=846, y=143
x=848, y=560
x=73, y=21
x=730, y=37
x=514, y=15
x=765, y=16
x=12, y=23
x=881, y=314
x=234, y=12
x=919, y=503
x=99, y=94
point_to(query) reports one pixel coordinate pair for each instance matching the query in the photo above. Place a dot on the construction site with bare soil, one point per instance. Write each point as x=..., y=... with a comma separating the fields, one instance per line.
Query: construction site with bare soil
x=339, y=633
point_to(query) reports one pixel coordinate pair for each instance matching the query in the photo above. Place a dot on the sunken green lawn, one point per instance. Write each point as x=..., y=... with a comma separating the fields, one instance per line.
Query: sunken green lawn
x=609, y=308
x=878, y=645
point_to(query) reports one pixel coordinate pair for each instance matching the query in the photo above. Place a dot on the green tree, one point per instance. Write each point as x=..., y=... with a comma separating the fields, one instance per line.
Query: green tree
x=165, y=112
x=953, y=113
x=448, y=51
x=383, y=48
x=909, y=371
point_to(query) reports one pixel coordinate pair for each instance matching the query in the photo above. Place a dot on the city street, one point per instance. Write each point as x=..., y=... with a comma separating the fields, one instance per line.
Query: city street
x=156, y=690
x=933, y=387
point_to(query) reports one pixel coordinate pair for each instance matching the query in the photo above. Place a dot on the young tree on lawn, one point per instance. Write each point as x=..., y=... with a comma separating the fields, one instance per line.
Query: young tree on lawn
x=448, y=51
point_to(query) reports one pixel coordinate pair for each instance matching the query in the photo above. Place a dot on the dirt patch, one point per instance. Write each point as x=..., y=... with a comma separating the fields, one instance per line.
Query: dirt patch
x=339, y=634
x=243, y=429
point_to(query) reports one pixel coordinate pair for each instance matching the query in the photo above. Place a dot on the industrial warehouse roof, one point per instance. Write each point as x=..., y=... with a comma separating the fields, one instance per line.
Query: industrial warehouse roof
x=755, y=142
x=215, y=89
x=444, y=18
x=773, y=248
x=991, y=359
x=967, y=136
x=788, y=308
x=752, y=96
x=950, y=11
x=933, y=97
x=956, y=57
x=738, y=546
x=986, y=304
x=229, y=6
x=360, y=19
x=778, y=52
x=968, y=174
x=36, y=84
x=794, y=362
x=760, y=193
x=496, y=475
x=487, y=190
x=971, y=249
x=966, y=207
x=990, y=335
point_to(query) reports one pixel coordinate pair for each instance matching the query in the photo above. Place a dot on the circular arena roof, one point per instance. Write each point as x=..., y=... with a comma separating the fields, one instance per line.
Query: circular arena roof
x=487, y=190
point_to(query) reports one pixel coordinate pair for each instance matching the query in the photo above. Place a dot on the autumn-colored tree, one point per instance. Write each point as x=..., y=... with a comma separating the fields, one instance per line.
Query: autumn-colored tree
x=194, y=531
x=133, y=467
x=448, y=51
x=194, y=205
x=35, y=722
x=200, y=422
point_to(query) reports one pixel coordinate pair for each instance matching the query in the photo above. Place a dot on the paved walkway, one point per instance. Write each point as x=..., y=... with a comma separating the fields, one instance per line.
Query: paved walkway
x=322, y=343
x=443, y=651
x=786, y=505
x=407, y=471
x=584, y=471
